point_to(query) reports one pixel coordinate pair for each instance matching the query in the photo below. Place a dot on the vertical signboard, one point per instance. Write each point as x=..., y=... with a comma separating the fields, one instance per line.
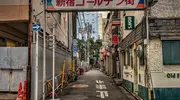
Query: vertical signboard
x=114, y=39
x=74, y=48
x=129, y=22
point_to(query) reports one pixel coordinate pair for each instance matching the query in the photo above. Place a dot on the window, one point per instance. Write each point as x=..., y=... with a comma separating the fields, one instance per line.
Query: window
x=140, y=78
x=124, y=58
x=128, y=57
x=171, y=49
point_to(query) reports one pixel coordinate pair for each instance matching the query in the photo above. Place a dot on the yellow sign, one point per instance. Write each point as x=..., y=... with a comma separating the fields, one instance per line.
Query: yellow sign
x=100, y=54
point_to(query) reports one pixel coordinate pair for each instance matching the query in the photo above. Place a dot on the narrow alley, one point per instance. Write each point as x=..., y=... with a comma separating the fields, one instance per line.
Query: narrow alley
x=94, y=85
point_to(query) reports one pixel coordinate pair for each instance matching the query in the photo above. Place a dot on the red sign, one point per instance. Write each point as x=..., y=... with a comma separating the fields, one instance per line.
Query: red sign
x=114, y=39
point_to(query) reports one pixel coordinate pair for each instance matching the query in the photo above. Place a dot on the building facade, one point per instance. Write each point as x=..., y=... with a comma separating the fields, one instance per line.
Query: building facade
x=14, y=29
x=150, y=61
x=100, y=25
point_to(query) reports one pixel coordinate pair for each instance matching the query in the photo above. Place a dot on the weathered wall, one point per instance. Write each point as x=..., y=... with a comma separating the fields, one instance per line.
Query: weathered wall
x=159, y=71
x=166, y=9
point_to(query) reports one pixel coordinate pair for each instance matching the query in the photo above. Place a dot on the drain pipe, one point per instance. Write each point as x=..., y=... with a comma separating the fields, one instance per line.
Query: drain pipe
x=147, y=42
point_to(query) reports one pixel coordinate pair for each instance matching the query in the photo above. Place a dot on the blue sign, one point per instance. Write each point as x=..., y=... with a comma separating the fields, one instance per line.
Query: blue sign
x=74, y=48
x=36, y=27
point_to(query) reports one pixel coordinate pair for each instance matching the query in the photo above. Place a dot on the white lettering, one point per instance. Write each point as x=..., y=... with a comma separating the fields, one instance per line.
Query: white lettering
x=100, y=87
x=129, y=22
x=103, y=94
x=99, y=81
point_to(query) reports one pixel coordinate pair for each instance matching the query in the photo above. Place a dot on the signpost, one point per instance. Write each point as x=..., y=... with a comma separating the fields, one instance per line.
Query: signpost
x=129, y=22
x=36, y=28
x=81, y=5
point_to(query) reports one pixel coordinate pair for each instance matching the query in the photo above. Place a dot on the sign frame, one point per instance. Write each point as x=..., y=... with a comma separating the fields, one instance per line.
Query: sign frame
x=38, y=27
x=140, y=5
x=132, y=22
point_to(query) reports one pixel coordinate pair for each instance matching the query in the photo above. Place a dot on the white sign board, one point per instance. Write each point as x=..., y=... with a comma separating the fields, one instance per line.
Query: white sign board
x=82, y=5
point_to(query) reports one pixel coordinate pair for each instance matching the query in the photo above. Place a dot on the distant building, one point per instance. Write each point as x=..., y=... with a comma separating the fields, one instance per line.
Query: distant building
x=85, y=18
x=100, y=25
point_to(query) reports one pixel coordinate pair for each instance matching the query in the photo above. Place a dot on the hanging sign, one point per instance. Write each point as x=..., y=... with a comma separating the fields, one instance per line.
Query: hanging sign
x=84, y=5
x=129, y=22
x=114, y=39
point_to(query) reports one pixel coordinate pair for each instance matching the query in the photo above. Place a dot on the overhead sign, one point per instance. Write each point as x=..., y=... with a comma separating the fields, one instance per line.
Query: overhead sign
x=129, y=22
x=82, y=5
x=36, y=27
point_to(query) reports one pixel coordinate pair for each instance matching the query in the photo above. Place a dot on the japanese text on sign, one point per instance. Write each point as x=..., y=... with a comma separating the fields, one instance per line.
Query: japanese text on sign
x=94, y=4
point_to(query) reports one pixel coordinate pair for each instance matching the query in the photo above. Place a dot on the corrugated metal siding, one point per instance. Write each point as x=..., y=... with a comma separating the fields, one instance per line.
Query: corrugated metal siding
x=59, y=59
x=167, y=93
x=164, y=26
x=13, y=63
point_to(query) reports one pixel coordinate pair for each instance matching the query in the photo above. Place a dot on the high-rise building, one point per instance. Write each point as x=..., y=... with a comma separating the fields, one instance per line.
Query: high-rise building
x=83, y=20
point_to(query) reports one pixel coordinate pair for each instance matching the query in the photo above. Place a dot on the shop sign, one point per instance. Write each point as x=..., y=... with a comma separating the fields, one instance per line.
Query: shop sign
x=129, y=22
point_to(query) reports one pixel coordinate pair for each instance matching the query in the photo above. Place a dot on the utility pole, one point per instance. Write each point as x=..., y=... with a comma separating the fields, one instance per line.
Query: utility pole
x=28, y=72
x=44, y=51
x=53, y=60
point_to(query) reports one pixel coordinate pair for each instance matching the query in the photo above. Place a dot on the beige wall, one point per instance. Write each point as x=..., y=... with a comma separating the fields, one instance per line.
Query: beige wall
x=14, y=13
x=61, y=29
x=138, y=17
x=14, y=10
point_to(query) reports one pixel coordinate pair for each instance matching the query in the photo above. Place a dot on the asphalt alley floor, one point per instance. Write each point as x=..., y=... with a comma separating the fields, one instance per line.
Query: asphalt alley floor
x=94, y=85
